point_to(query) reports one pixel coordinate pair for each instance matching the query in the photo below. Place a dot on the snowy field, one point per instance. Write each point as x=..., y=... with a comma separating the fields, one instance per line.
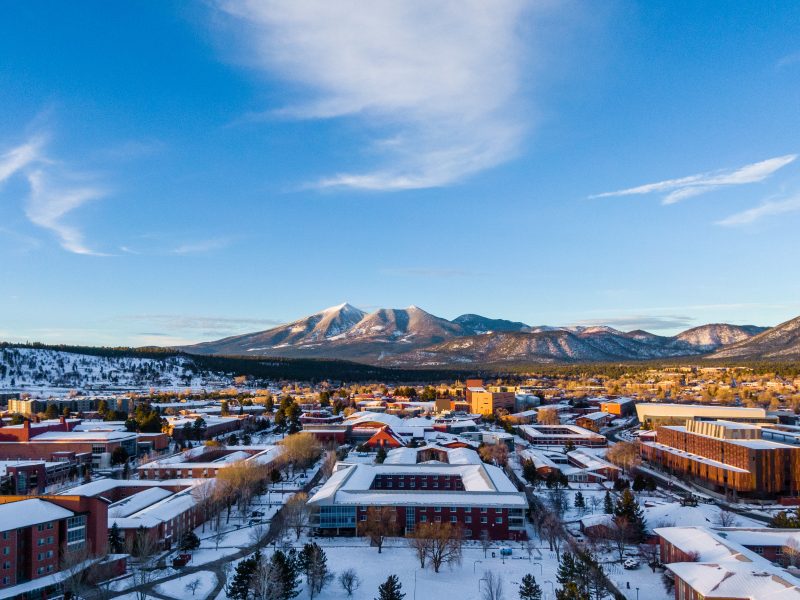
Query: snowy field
x=176, y=588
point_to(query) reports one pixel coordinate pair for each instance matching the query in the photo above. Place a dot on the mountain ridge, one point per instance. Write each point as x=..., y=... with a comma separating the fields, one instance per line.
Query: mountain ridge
x=412, y=336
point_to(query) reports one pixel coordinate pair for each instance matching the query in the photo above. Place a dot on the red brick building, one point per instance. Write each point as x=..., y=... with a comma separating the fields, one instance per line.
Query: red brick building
x=726, y=457
x=37, y=532
x=478, y=498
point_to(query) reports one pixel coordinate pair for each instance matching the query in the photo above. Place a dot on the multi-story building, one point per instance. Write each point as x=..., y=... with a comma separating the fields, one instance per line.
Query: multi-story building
x=204, y=462
x=559, y=435
x=664, y=413
x=478, y=498
x=38, y=533
x=484, y=402
x=54, y=441
x=725, y=457
x=618, y=407
x=593, y=420
x=712, y=564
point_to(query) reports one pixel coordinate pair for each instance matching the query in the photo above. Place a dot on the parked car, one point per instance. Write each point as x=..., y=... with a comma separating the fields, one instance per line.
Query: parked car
x=181, y=560
x=631, y=563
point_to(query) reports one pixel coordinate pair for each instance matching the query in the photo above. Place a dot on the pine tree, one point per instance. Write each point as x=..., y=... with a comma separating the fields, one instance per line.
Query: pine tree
x=189, y=541
x=529, y=589
x=579, y=500
x=570, y=591
x=381, y=455
x=628, y=508
x=608, y=505
x=115, y=543
x=286, y=565
x=239, y=589
x=390, y=589
x=567, y=569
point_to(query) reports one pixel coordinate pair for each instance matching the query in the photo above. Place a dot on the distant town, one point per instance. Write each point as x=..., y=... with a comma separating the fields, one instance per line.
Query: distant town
x=581, y=482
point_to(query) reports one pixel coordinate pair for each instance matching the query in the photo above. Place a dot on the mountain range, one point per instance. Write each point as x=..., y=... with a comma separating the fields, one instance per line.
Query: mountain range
x=412, y=337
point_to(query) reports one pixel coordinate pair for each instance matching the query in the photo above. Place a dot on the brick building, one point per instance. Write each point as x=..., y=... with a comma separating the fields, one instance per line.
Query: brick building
x=726, y=457
x=477, y=497
x=37, y=532
x=484, y=402
x=559, y=435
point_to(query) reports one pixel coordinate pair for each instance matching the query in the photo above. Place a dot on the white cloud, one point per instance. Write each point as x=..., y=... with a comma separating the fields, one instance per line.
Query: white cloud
x=694, y=185
x=20, y=157
x=52, y=199
x=437, y=81
x=202, y=246
x=765, y=209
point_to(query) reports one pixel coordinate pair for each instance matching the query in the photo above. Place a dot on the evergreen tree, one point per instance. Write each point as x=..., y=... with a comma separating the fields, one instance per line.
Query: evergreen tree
x=628, y=508
x=115, y=542
x=240, y=586
x=567, y=569
x=381, y=455
x=286, y=566
x=608, y=505
x=52, y=411
x=189, y=541
x=390, y=589
x=579, y=500
x=529, y=589
x=570, y=591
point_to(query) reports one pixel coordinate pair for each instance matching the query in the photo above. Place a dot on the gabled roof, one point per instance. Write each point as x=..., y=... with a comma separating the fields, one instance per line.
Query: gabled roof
x=24, y=513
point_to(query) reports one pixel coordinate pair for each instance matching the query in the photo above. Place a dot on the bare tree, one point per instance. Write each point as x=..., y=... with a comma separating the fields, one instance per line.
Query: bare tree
x=443, y=543
x=626, y=455
x=381, y=523
x=620, y=531
x=296, y=513
x=791, y=550
x=492, y=588
x=349, y=581
x=193, y=586
x=485, y=541
x=75, y=567
x=726, y=518
x=329, y=463
x=651, y=554
x=143, y=546
x=300, y=450
x=548, y=416
x=530, y=547
x=203, y=495
x=420, y=546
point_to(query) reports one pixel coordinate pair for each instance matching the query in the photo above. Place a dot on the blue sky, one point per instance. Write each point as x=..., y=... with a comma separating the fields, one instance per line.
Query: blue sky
x=172, y=172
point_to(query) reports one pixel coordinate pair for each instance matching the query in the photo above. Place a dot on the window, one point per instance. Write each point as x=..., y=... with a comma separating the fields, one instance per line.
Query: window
x=363, y=517
x=40, y=570
x=758, y=549
x=467, y=533
x=438, y=509
x=484, y=520
x=6, y=550
x=454, y=519
x=438, y=519
x=401, y=483
x=76, y=530
x=423, y=518
x=452, y=509
x=7, y=564
x=5, y=535
x=5, y=580
x=40, y=556
x=484, y=510
x=498, y=520
x=468, y=519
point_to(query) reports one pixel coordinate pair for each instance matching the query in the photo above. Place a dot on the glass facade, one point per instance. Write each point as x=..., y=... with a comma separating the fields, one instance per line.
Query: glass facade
x=333, y=517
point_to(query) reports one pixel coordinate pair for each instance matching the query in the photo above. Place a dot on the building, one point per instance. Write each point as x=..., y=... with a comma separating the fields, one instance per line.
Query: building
x=477, y=497
x=183, y=427
x=35, y=476
x=162, y=510
x=484, y=402
x=559, y=435
x=594, y=421
x=205, y=462
x=711, y=564
x=653, y=414
x=726, y=457
x=37, y=533
x=53, y=441
x=618, y=407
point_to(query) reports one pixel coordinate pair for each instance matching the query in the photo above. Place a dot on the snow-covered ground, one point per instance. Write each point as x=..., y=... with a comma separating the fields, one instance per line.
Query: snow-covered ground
x=176, y=588
x=44, y=371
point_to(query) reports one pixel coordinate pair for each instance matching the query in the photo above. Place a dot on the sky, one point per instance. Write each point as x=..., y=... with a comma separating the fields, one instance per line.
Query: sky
x=173, y=172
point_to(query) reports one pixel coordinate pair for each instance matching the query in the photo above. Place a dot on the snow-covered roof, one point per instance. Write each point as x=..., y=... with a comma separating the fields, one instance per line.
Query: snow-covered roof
x=138, y=501
x=731, y=579
x=83, y=436
x=410, y=456
x=484, y=485
x=25, y=513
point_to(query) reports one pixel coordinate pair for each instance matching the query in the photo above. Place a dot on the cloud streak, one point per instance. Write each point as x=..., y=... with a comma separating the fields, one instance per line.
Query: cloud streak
x=55, y=191
x=435, y=83
x=695, y=185
x=646, y=322
x=768, y=208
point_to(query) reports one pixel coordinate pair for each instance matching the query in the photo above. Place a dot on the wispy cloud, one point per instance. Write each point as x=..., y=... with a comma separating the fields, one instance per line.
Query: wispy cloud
x=431, y=272
x=190, y=329
x=788, y=60
x=202, y=246
x=14, y=160
x=641, y=321
x=436, y=83
x=767, y=208
x=52, y=199
x=694, y=185
x=55, y=191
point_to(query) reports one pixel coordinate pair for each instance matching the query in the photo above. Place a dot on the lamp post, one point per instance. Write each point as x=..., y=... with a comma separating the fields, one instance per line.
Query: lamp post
x=552, y=587
x=475, y=562
x=637, y=593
